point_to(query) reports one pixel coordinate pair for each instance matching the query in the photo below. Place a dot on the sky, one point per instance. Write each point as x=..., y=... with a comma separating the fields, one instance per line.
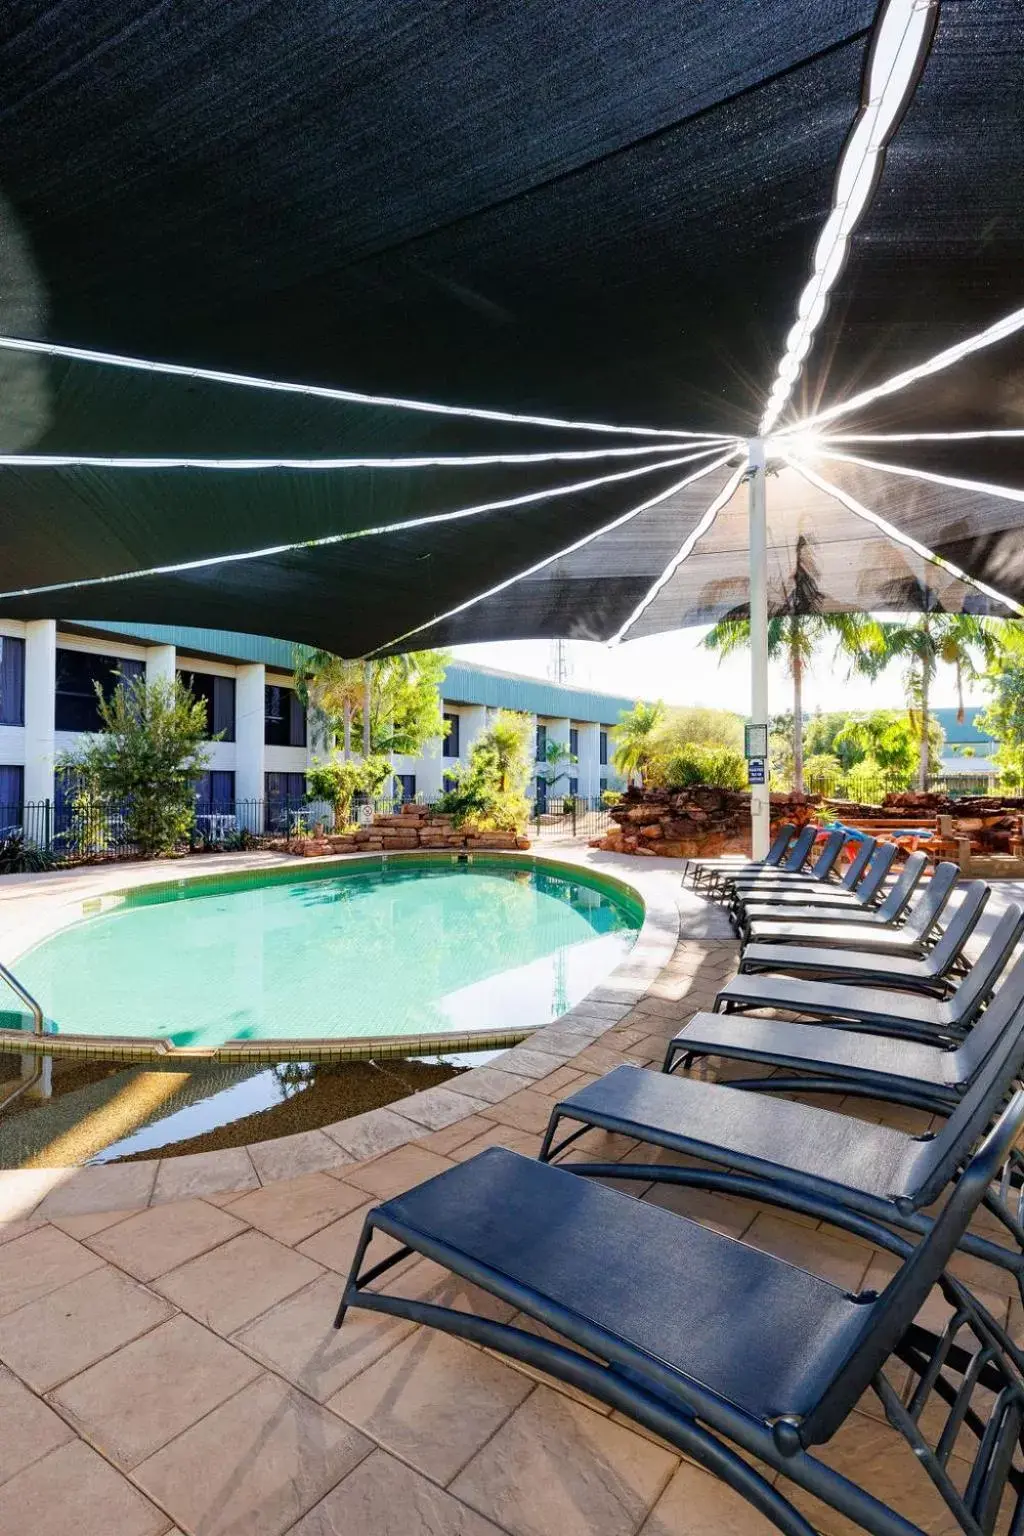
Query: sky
x=676, y=668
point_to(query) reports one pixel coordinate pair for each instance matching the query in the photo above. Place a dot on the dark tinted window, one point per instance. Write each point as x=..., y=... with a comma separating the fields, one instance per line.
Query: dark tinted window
x=76, y=707
x=604, y=748
x=284, y=719
x=407, y=785
x=218, y=694
x=574, y=740
x=12, y=681
x=285, y=793
x=450, y=745
x=542, y=742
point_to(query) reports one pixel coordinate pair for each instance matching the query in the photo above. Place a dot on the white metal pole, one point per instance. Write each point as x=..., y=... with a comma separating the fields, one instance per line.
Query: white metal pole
x=760, y=809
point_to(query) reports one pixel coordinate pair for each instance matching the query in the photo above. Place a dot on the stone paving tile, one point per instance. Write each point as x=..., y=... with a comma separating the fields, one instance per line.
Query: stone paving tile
x=106, y=1187
x=559, y=1083
x=398, y=1170
x=423, y=1280
x=136, y=1400
x=699, y=1505
x=253, y=1466
x=62, y=1333
x=287, y=1157
x=335, y=1246
x=40, y=1262
x=370, y=1134
x=558, y=1468
x=528, y=1062
x=526, y=1142
x=74, y=1490
x=445, y=1141
x=82, y=1227
x=384, y=1498
x=433, y=1401
x=163, y=1237
x=298, y=1339
x=9, y=1230
x=30, y=1429
x=527, y=1110
x=440, y=1106
x=22, y=1189
x=494, y=1083
x=296, y=1208
x=234, y=1283
x=204, y=1174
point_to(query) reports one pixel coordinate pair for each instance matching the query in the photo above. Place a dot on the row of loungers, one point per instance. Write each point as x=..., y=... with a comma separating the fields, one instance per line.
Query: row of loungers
x=726, y=1351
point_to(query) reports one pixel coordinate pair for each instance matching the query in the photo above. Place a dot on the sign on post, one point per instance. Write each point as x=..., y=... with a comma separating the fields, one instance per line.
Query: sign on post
x=755, y=771
x=755, y=743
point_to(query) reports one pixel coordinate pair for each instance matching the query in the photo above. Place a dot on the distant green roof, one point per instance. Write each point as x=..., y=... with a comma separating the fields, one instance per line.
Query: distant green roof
x=462, y=684
x=961, y=733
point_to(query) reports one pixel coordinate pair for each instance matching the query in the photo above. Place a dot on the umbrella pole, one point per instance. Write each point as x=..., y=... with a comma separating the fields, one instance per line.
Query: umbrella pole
x=760, y=810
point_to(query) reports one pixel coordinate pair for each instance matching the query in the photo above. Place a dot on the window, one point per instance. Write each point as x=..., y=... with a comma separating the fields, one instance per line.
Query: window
x=542, y=792
x=12, y=795
x=574, y=787
x=12, y=681
x=542, y=743
x=604, y=785
x=76, y=707
x=574, y=740
x=285, y=794
x=215, y=793
x=218, y=694
x=603, y=755
x=406, y=786
x=450, y=745
x=284, y=719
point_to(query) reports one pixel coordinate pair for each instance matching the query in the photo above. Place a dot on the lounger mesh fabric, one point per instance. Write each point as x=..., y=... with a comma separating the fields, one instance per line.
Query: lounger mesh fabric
x=605, y=214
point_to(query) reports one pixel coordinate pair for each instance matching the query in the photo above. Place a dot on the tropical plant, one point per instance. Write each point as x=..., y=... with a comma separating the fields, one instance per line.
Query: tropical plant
x=338, y=780
x=963, y=641
x=20, y=856
x=822, y=770
x=694, y=764
x=146, y=760
x=394, y=704
x=557, y=762
x=1003, y=719
x=634, y=740
x=794, y=639
x=884, y=742
x=698, y=725
x=490, y=790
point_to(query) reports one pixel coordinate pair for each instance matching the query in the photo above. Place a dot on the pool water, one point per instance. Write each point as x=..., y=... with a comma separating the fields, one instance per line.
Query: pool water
x=401, y=951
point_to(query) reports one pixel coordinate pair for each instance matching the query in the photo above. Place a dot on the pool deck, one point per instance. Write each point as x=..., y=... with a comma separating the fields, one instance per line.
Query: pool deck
x=169, y=1366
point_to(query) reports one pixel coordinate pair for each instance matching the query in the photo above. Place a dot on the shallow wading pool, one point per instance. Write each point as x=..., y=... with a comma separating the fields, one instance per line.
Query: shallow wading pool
x=403, y=949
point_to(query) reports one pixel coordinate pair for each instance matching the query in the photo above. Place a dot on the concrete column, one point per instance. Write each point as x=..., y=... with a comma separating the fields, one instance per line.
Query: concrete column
x=250, y=751
x=161, y=663
x=473, y=723
x=588, y=769
x=40, y=681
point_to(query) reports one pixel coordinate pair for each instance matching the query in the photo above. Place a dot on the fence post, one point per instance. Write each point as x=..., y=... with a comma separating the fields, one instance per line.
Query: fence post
x=48, y=825
x=574, y=815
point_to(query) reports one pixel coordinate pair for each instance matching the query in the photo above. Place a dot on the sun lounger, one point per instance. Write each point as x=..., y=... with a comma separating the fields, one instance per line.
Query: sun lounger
x=932, y=973
x=777, y=879
x=740, y=1360
x=822, y=901
x=869, y=928
x=812, y=1160
x=931, y=1075
x=700, y=870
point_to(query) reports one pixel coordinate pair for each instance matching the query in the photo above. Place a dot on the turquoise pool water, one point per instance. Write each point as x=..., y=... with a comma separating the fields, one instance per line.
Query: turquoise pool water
x=402, y=952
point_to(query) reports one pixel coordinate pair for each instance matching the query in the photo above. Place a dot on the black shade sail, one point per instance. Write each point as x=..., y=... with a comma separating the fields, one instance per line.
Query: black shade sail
x=595, y=222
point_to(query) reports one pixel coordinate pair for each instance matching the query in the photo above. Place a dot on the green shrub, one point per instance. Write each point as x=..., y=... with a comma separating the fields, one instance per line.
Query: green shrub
x=610, y=797
x=20, y=856
x=719, y=767
x=490, y=791
x=338, y=780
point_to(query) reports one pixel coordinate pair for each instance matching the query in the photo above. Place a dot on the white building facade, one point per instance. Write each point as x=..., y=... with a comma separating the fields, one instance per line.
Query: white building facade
x=256, y=772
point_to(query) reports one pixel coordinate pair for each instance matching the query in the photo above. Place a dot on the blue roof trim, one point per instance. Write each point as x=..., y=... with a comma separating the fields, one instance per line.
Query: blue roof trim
x=462, y=684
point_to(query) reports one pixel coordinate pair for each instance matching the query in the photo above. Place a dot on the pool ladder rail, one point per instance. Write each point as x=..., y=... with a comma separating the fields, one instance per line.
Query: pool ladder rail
x=38, y=1028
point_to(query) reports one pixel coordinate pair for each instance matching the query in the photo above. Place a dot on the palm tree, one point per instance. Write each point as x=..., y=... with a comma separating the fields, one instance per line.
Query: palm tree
x=333, y=687
x=963, y=641
x=634, y=740
x=794, y=638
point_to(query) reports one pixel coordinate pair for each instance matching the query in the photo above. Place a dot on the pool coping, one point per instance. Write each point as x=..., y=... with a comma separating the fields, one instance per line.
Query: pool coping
x=90, y=1188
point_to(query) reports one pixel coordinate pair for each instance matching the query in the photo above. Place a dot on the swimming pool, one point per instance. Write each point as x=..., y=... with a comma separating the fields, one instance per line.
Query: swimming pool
x=402, y=950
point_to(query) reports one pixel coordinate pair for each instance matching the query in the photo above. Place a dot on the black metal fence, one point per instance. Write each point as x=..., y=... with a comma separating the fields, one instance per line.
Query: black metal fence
x=871, y=789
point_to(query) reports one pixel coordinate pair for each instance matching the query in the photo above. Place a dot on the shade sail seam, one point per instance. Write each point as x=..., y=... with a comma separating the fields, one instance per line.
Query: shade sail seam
x=84, y=461
x=983, y=487
x=902, y=37
x=234, y=558
x=560, y=554
x=324, y=391
x=898, y=536
x=947, y=358
x=685, y=550
x=922, y=437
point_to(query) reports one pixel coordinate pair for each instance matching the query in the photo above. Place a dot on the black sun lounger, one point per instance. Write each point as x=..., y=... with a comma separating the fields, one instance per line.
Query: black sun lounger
x=859, y=930
x=777, y=880
x=923, y=1018
x=829, y=903
x=815, y=1161
x=794, y=861
x=724, y=1350
x=702, y=870
x=931, y=1076
x=932, y=973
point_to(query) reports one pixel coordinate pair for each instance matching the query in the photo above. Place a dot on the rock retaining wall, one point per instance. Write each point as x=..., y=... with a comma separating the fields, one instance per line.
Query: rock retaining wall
x=416, y=826
x=701, y=822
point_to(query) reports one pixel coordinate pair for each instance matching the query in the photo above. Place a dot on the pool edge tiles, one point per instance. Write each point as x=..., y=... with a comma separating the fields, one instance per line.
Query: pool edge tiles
x=318, y=1046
